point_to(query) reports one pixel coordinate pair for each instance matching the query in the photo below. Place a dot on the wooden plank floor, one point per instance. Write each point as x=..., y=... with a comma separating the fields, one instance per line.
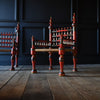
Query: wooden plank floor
x=47, y=85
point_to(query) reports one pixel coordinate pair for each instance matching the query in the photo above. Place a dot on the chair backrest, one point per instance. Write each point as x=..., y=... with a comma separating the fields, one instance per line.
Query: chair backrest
x=6, y=38
x=69, y=34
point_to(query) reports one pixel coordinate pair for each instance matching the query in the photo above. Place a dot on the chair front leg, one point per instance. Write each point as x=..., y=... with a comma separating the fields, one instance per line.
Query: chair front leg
x=12, y=62
x=61, y=63
x=61, y=58
x=13, y=51
x=33, y=53
x=33, y=64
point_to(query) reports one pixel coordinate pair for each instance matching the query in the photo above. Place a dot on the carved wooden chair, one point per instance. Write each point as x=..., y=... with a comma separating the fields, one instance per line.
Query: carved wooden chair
x=61, y=40
x=9, y=42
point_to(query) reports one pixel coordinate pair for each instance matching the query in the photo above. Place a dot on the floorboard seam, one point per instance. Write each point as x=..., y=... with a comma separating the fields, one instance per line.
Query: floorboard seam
x=21, y=98
x=50, y=89
x=10, y=78
x=76, y=90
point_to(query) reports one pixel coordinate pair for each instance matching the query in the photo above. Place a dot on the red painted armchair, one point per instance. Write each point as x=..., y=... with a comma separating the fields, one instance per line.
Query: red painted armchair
x=9, y=42
x=61, y=40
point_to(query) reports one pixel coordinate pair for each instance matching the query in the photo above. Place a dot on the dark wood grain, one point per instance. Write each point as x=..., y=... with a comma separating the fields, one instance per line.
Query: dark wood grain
x=47, y=85
x=37, y=88
x=13, y=90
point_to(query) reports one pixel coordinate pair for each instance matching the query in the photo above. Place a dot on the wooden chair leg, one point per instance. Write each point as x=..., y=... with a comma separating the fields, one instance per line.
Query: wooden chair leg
x=33, y=64
x=33, y=56
x=74, y=62
x=50, y=60
x=61, y=58
x=16, y=59
x=13, y=55
x=61, y=62
x=12, y=62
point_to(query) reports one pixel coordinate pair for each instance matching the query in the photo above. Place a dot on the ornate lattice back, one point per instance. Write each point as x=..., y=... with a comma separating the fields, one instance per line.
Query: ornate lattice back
x=69, y=34
x=6, y=38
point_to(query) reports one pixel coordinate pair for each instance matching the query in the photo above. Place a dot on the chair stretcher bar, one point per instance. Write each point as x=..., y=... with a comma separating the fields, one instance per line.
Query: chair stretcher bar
x=52, y=50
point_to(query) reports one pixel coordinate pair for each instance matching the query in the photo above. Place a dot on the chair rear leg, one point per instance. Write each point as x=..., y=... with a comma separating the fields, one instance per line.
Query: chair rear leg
x=50, y=60
x=16, y=59
x=74, y=62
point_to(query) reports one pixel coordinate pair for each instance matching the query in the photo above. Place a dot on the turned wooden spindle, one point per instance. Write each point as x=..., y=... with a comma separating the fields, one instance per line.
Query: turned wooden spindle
x=74, y=39
x=33, y=53
x=61, y=57
x=13, y=52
